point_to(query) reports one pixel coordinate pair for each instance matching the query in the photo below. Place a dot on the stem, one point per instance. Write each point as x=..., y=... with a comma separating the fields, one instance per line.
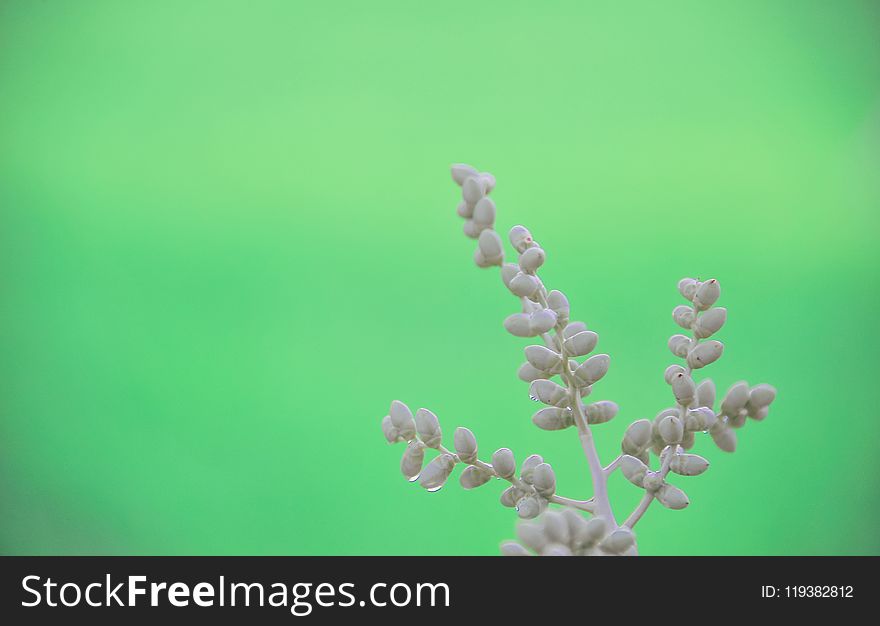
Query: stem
x=636, y=515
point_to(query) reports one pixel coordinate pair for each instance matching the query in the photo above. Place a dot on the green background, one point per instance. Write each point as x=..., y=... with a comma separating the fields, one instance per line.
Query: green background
x=228, y=239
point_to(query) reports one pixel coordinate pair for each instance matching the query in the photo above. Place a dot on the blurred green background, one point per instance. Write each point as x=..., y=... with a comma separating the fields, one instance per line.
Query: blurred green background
x=228, y=239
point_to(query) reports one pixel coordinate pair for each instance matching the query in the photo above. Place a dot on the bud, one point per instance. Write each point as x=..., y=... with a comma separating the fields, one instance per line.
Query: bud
x=679, y=345
x=672, y=497
x=472, y=229
x=465, y=444
x=577, y=528
x=524, y=285
x=529, y=466
x=519, y=325
x=556, y=528
x=532, y=536
x=484, y=213
x=508, y=271
x=688, y=440
x=760, y=396
x=557, y=549
x=723, y=437
x=572, y=329
x=600, y=412
x=705, y=353
x=671, y=372
x=503, y=463
x=428, y=427
x=530, y=507
x=593, y=369
x=706, y=393
x=520, y=238
x=472, y=477
x=437, y=472
x=552, y=418
x=618, y=541
x=683, y=388
x=633, y=469
x=402, y=419
x=701, y=418
x=687, y=287
x=512, y=548
x=413, y=457
x=595, y=530
x=637, y=437
x=688, y=464
x=735, y=399
x=392, y=435
x=706, y=295
x=489, y=181
x=684, y=316
x=710, y=322
x=543, y=358
x=541, y=321
x=490, y=247
x=559, y=303
x=473, y=189
x=549, y=392
x=464, y=210
x=581, y=343
x=652, y=481
x=510, y=496
x=544, y=480
x=461, y=172
x=671, y=429
x=532, y=259
x=527, y=373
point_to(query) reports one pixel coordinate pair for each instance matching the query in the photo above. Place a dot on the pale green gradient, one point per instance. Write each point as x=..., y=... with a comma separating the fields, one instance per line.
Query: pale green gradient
x=229, y=239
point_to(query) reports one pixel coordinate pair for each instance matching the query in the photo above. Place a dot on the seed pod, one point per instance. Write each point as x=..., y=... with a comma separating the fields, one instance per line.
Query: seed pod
x=544, y=480
x=472, y=477
x=532, y=536
x=687, y=287
x=519, y=325
x=701, y=418
x=705, y=353
x=465, y=210
x=559, y=303
x=760, y=397
x=688, y=464
x=723, y=437
x=637, y=437
x=618, y=541
x=683, y=388
x=484, y=212
x=679, y=345
x=710, y=322
x=549, y=392
x=392, y=435
x=581, y=343
x=520, y=238
x=402, y=419
x=706, y=393
x=593, y=369
x=490, y=247
x=527, y=373
x=461, y=172
x=633, y=469
x=735, y=399
x=706, y=295
x=541, y=321
x=600, y=412
x=530, y=507
x=508, y=271
x=503, y=463
x=671, y=372
x=552, y=418
x=437, y=472
x=465, y=444
x=543, y=358
x=572, y=329
x=684, y=316
x=413, y=458
x=473, y=189
x=671, y=429
x=595, y=530
x=524, y=285
x=532, y=259
x=672, y=497
x=512, y=548
x=528, y=466
x=510, y=496
x=428, y=427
